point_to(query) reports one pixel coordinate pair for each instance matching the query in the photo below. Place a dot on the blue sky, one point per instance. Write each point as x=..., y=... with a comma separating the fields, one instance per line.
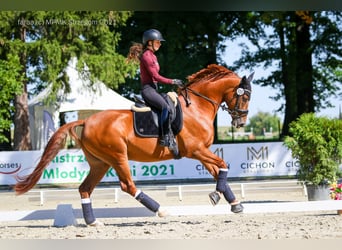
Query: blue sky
x=260, y=100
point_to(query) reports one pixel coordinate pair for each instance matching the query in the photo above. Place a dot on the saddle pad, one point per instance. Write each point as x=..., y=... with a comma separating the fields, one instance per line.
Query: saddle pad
x=144, y=125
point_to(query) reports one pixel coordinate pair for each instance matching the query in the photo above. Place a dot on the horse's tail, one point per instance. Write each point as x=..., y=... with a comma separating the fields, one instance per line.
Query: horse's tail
x=57, y=142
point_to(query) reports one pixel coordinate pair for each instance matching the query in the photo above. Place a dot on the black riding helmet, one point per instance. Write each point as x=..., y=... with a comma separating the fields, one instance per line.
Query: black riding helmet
x=152, y=34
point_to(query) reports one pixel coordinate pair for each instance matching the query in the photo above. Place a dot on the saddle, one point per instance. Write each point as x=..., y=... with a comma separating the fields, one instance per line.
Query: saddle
x=145, y=118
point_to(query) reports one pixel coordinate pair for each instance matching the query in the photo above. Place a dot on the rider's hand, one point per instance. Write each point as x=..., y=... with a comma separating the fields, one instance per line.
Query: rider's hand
x=177, y=82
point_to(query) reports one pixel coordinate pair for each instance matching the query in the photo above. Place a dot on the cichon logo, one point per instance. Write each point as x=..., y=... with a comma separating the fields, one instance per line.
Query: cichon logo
x=9, y=168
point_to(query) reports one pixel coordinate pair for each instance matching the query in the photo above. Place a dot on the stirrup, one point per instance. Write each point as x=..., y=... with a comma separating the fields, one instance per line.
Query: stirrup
x=174, y=148
x=165, y=140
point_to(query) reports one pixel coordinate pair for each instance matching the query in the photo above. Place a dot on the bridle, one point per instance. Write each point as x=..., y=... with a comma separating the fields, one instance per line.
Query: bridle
x=235, y=113
x=239, y=93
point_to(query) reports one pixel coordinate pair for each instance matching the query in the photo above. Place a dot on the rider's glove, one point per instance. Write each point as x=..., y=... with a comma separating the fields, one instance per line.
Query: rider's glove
x=177, y=82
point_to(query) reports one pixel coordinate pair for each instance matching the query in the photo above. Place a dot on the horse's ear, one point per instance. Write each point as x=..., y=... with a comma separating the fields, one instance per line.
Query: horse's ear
x=250, y=78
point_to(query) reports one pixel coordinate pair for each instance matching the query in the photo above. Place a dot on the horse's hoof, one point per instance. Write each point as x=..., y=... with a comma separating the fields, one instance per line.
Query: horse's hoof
x=96, y=223
x=237, y=208
x=162, y=213
x=214, y=198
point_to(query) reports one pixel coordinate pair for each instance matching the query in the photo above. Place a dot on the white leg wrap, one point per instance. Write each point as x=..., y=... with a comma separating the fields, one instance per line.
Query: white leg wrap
x=85, y=200
x=137, y=193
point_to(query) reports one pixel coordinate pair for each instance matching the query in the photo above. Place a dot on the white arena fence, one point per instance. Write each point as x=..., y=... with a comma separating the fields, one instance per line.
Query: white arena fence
x=243, y=189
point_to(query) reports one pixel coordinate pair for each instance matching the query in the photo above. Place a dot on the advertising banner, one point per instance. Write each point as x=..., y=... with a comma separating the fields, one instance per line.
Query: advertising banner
x=71, y=166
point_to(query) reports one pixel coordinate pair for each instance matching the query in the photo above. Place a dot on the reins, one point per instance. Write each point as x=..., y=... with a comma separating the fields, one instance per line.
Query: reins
x=235, y=112
x=187, y=98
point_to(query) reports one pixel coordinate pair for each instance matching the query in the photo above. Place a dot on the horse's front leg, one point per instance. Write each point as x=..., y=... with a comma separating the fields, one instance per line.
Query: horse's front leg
x=236, y=206
x=143, y=198
x=127, y=185
x=222, y=187
x=219, y=170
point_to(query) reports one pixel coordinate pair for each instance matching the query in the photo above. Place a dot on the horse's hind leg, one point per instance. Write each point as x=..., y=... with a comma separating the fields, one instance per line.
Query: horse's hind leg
x=97, y=170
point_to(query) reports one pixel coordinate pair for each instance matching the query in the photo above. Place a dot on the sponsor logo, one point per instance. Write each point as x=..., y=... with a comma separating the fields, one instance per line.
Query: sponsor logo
x=292, y=165
x=201, y=170
x=9, y=167
x=257, y=161
x=261, y=153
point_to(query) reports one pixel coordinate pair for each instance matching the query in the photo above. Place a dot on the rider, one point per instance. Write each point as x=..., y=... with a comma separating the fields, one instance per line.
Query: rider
x=150, y=77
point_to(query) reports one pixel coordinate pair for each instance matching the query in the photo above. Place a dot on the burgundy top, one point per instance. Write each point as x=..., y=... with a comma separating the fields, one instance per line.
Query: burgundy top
x=149, y=69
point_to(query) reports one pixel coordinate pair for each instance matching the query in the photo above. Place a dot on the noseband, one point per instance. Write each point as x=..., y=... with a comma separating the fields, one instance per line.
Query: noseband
x=235, y=113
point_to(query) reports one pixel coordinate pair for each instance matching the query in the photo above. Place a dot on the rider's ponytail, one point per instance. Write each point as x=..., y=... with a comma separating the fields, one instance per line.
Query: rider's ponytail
x=135, y=52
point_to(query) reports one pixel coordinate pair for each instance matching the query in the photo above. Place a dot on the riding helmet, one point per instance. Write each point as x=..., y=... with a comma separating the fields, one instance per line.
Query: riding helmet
x=152, y=34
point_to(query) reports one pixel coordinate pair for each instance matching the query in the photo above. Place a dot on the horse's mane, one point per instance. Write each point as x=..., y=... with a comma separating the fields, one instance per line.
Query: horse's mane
x=212, y=73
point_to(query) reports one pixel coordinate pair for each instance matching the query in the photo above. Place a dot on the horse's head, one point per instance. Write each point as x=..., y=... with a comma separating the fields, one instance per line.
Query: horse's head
x=223, y=82
x=238, y=101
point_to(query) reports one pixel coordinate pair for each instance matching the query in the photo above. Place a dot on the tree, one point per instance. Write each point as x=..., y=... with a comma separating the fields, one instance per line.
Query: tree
x=306, y=47
x=8, y=88
x=263, y=121
x=45, y=42
x=191, y=44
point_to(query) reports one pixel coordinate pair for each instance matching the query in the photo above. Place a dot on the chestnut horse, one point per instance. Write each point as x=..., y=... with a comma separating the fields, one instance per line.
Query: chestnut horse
x=108, y=139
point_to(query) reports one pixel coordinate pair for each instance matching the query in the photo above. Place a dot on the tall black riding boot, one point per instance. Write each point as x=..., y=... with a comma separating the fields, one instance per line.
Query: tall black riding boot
x=164, y=128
